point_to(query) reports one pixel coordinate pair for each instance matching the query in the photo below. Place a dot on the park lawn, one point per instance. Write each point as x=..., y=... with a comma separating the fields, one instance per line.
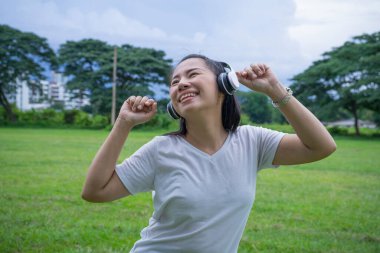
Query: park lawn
x=328, y=206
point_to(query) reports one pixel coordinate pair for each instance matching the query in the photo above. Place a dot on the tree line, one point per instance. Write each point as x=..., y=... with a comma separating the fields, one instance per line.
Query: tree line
x=344, y=83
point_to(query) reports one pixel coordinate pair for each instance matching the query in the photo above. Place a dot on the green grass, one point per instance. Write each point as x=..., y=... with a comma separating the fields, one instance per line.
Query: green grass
x=329, y=206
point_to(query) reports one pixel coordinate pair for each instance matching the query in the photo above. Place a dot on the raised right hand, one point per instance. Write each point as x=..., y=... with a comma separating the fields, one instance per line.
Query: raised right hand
x=137, y=110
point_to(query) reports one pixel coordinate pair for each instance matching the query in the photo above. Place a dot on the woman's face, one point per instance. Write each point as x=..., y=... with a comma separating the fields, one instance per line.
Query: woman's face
x=193, y=88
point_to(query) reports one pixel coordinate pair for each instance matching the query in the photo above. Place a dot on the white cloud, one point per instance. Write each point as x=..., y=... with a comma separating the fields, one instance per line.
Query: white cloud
x=321, y=25
x=110, y=24
x=255, y=31
x=287, y=34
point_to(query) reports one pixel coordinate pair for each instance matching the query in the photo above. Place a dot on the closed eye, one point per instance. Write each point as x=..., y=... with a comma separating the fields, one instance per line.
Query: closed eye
x=193, y=74
x=174, y=83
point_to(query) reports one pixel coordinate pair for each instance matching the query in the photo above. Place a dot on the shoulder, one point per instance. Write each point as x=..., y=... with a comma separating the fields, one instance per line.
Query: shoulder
x=247, y=130
x=154, y=144
x=256, y=133
x=245, y=135
x=171, y=147
x=166, y=139
x=166, y=142
x=153, y=148
x=253, y=130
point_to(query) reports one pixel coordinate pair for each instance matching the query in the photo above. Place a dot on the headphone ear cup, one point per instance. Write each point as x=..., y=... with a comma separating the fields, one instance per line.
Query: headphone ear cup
x=227, y=81
x=233, y=80
x=224, y=84
x=171, y=111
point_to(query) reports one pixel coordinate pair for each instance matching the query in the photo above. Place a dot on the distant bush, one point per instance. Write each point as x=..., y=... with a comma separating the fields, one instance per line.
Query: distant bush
x=336, y=130
x=2, y=115
x=47, y=117
x=244, y=119
x=80, y=119
x=77, y=119
x=52, y=118
x=69, y=116
x=159, y=121
x=99, y=122
x=350, y=131
x=285, y=128
x=83, y=120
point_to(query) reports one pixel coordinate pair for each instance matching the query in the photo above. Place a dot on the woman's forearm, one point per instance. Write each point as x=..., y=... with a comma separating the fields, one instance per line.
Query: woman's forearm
x=103, y=165
x=308, y=128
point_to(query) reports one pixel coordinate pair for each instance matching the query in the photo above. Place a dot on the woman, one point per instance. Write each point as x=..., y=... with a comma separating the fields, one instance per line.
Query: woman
x=204, y=175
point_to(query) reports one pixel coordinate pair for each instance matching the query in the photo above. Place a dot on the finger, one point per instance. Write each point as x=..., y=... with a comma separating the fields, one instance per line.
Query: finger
x=148, y=109
x=256, y=69
x=141, y=104
x=251, y=75
x=242, y=77
x=148, y=105
x=153, y=109
x=241, y=74
x=136, y=103
x=262, y=67
x=149, y=102
x=130, y=101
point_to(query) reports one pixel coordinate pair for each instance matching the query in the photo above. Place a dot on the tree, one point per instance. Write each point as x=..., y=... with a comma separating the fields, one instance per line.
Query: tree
x=24, y=56
x=347, y=77
x=256, y=106
x=89, y=63
x=138, y=70
x=82, y=62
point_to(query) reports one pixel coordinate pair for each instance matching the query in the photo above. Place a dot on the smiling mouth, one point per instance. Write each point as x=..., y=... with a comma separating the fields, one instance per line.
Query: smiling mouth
x=186, y=96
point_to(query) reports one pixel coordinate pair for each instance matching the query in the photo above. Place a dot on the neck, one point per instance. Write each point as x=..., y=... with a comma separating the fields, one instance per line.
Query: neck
x=206, y=132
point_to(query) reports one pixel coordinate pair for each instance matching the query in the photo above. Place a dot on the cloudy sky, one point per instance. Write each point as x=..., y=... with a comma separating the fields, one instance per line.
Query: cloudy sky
x=287, y=34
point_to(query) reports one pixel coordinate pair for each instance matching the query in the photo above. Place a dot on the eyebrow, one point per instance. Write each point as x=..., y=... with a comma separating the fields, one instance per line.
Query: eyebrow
x=187, y=71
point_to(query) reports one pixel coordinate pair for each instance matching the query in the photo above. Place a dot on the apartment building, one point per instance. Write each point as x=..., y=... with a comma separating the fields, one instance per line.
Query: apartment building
x=47, y=94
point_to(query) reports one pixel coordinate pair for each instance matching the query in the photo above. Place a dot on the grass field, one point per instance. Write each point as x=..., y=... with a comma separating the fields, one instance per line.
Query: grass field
x=329, y=206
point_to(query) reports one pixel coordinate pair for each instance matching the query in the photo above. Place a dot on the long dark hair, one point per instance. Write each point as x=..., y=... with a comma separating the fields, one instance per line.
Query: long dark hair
x=230, y=106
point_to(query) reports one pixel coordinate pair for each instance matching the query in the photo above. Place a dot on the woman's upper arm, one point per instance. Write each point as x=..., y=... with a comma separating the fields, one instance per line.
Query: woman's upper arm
x=291, y=150
x=113, y=190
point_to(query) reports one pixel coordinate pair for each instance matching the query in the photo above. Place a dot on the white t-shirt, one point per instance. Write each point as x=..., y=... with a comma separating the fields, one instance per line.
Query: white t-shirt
x=201, y=201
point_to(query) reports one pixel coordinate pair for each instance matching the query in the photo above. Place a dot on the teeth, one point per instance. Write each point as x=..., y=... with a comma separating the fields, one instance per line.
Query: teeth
x=187, y=95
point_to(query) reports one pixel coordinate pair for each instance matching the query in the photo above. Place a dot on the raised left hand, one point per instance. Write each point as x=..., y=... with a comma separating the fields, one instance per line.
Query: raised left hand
x=260, y=78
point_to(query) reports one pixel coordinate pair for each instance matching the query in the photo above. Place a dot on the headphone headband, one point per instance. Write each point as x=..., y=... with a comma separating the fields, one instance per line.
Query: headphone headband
x=227, y=68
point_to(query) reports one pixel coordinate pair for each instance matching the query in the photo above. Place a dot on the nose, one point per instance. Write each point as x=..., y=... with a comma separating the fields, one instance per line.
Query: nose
x=182, y=85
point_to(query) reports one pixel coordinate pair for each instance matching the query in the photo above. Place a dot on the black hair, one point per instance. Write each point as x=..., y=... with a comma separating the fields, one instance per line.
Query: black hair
x=230, y=106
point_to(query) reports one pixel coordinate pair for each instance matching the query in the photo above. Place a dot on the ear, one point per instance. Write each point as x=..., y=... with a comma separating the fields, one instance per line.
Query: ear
x=221, y=97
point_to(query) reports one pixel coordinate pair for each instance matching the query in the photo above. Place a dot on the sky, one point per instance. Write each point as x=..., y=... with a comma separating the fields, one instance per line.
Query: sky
x=288, y=35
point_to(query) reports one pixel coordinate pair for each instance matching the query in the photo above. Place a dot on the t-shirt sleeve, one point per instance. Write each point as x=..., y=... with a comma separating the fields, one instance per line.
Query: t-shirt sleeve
x=267, y=144
x=137, y=172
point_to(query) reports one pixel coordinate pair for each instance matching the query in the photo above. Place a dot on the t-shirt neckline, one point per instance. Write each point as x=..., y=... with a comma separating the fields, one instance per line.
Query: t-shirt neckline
x=212, y=156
